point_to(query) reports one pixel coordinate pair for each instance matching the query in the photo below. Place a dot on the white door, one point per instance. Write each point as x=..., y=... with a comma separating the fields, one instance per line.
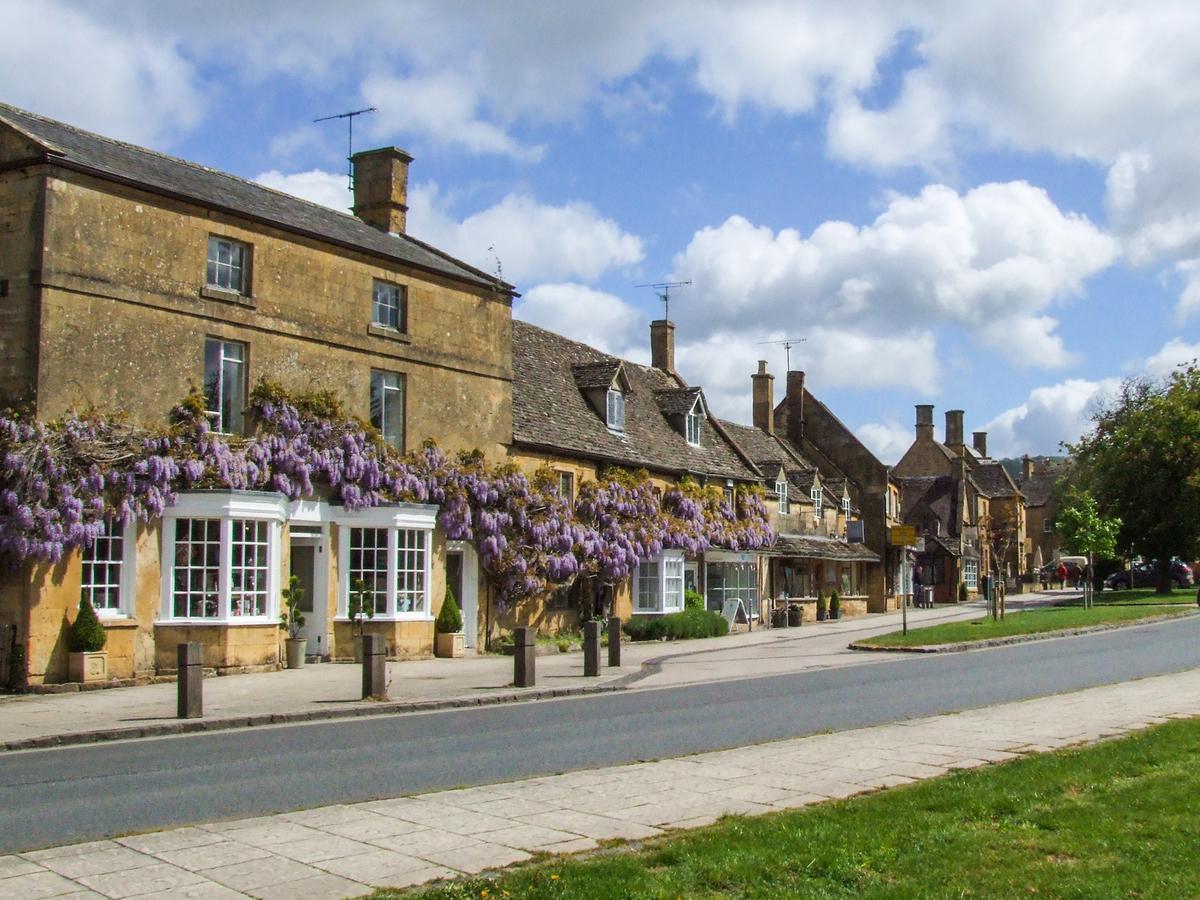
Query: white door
x=309, y=562
x=462, y=577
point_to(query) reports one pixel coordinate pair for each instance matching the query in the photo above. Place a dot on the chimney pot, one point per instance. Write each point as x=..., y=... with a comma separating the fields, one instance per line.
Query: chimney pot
x=954, y=428
x=763, y=384
x=662, y=345
x=979, y=440
x=381, y=188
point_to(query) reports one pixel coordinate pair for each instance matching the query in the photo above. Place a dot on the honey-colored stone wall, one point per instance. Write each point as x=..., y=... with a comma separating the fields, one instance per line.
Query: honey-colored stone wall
x=20, y=214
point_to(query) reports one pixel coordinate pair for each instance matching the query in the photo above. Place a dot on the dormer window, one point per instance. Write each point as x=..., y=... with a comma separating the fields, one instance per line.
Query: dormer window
x=781, y=488
x=815, y=494
x=616, y=410
x=846, y=506
x=693, y=425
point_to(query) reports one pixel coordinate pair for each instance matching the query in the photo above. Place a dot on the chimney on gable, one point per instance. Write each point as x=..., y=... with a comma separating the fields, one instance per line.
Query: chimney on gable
x=954, y=428
x=764, y=398
x=662, y=345
x=381, y=188
x=1026, y=467
x=979, y=441
x=794, y=406
x=924, y=422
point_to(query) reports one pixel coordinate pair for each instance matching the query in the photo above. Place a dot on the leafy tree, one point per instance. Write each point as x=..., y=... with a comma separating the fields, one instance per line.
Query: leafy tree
x=1142, y=464
x=1086, y=533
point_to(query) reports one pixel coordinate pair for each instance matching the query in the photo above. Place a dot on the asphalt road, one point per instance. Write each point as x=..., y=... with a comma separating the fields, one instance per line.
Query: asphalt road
x=74, y=794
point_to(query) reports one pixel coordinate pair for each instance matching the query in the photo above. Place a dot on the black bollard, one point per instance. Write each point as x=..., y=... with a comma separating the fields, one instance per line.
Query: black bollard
x=614, y=642
x=374, y=674
x=591, y=648
x=189, y=661
x=524, y=654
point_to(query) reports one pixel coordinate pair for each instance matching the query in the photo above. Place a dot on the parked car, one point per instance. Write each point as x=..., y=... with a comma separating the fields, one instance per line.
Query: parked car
x=1145, y=574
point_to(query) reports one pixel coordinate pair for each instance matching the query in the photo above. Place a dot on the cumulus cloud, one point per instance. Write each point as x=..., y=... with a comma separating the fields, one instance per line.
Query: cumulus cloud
x=1174, y=353
x=888, y=441
x=989, y=261
x=316, y=186
x=1048, y=417
x=533, y=241
x=594, y=317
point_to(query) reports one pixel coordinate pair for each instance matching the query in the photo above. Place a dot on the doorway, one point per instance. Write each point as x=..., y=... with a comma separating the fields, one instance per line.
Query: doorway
x=309, y=563
x=462, y=577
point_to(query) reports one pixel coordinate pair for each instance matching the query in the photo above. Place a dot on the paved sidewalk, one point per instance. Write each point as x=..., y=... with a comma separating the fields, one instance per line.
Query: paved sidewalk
x=345, y=851
x=331, y=689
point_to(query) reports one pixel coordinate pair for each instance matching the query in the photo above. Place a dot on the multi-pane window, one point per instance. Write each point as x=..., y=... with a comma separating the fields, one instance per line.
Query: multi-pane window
x=815, y=494
x=248, y=567
x=1048, y=526
x=731, y=581
x=781, y=488
x=673, y=582
x=846, y=505
x=693, y=425
x=971, y=574
x=410, y=570
x=566, y=486
x=103, y=567
x=729, y=496
x=196, y=586
x=649, y=595
x=387, y=406
x=660, y=584
x=388, y=305
x=616, y=410
x=369, y=564
x=225, y=384
x=228, y=265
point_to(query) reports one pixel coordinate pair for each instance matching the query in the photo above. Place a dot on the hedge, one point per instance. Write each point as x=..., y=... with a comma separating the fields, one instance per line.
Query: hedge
x=680, y=626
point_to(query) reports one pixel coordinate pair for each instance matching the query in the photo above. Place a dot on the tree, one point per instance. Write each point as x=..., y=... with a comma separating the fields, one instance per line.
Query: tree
x=1002, y=532
x=1085, y=532
x=1142, y=464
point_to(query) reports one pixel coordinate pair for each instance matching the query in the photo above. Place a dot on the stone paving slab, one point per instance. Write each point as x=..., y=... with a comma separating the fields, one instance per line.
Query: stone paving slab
x=347, y=850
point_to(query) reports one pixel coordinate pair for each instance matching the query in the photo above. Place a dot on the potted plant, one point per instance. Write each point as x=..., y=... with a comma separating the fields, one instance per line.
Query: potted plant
x=291, y=620
x=835, y=605
x=360, y=606
x=86, y=638
x=820, y=606
x=449, y=640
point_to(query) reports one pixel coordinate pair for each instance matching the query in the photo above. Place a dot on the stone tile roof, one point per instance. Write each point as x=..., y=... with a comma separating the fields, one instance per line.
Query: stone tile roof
x=925, y=499
x=993, y=481
x=212, y=188
x=677, y=401
x=597, y=375
x=765, y=448
x=804, y=546
x=1039, y=489
x=551, y=413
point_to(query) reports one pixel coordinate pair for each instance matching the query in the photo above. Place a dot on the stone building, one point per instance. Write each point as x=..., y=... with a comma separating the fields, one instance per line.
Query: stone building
x=1037, y=481
x=128, y=276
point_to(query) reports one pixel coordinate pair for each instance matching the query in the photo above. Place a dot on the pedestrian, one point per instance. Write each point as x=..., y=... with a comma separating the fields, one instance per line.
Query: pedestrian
x=1062, y=575
x=918, y=572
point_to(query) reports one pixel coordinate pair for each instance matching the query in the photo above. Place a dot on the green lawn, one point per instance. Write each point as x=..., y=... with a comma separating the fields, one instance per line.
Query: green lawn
x=1031, y=621
x=1144, y=596
x=1116, y=820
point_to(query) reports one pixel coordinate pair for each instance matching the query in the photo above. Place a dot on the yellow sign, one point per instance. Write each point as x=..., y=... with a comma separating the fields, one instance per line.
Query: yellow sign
x=904, y=535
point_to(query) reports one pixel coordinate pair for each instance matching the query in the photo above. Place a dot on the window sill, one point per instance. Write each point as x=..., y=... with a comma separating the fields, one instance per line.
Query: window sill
x=256, y=622
x=226, y=296
x=115, y=620
x=391, y=334
x=398, y=617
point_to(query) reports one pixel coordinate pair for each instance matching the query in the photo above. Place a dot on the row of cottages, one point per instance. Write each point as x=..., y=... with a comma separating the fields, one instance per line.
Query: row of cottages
x=1037, y=483
x=581, y=411
x=966, y=508
x=127, y=276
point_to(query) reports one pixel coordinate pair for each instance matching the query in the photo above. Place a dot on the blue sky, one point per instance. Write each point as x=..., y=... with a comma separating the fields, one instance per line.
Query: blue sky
x=994, y=208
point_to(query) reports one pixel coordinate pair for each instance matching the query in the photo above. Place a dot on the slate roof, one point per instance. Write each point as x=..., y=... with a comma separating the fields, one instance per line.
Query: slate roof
x=993, y=480
x=1039, y=489
x=676, y=401
x=551, y=413
x=128, y=163
x=804, y=546
x=928, y=498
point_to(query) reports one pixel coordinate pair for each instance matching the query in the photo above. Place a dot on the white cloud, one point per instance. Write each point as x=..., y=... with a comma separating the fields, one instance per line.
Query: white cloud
x=97, y=73
x=594, y=317
x=888, y=441
x=1174, y=353
x=990, y=261
x=326, y=188
x=1049, y=416
x=911, y=132
x=533, y=241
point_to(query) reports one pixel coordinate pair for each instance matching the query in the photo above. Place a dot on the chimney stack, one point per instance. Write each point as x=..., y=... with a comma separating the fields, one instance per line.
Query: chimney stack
x=1026, y=467
x=924, y=422
x=979, y=439
x=662, y=345
x=381, y=188
x=794, y=405
x=764, y=398
x=954, y=428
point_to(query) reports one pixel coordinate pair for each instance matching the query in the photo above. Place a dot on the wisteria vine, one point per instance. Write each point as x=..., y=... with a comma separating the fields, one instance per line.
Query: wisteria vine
x=61, y=483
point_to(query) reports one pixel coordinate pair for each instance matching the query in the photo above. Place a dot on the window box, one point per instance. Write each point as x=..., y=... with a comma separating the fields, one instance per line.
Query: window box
x=390, y=549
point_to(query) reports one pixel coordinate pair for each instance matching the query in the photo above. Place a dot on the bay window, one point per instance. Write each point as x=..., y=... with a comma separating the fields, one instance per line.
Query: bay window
x=388, y=548
x=658, y=587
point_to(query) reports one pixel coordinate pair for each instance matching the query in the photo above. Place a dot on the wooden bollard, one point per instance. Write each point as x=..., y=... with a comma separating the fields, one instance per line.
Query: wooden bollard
x=374, y=674
x=614, y=642
x=591, y=649
x=524, y=654
x=189, y=681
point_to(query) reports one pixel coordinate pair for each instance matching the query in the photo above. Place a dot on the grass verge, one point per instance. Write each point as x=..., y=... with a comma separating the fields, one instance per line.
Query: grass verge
x=1113, y=820
x=1144, y=597
x=1033, y=621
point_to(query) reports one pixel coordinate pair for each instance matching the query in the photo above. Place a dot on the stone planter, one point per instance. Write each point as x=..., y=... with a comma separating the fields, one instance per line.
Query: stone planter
x=296, y=648
x=87, y=668
x=451, y=646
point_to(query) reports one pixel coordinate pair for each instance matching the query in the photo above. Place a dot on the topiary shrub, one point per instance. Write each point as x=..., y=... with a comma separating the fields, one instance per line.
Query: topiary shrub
x=962, y=592
x=693, y=600
x=821, y=608
x=86, y=634
x=449, y=620
x=835, y=605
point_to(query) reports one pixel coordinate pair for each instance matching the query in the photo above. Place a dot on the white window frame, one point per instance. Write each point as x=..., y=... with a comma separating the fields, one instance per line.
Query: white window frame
x=400, y=386
x=615, y=410
x=971, y=573
x=692, y=424
x=670, y=565
x=223, y=421
x=241, y=266
x=781, y=488
x=126, y=582
x=815, y=494
x=846, y=506
x=391, y=299
x=396, y=518
x=566, y=485
x=225, y=507
x=733, y=557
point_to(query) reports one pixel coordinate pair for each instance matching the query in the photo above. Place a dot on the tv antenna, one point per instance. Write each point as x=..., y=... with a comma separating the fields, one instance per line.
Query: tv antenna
x=349, y=117
x=787, y=344
x=663, y=289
